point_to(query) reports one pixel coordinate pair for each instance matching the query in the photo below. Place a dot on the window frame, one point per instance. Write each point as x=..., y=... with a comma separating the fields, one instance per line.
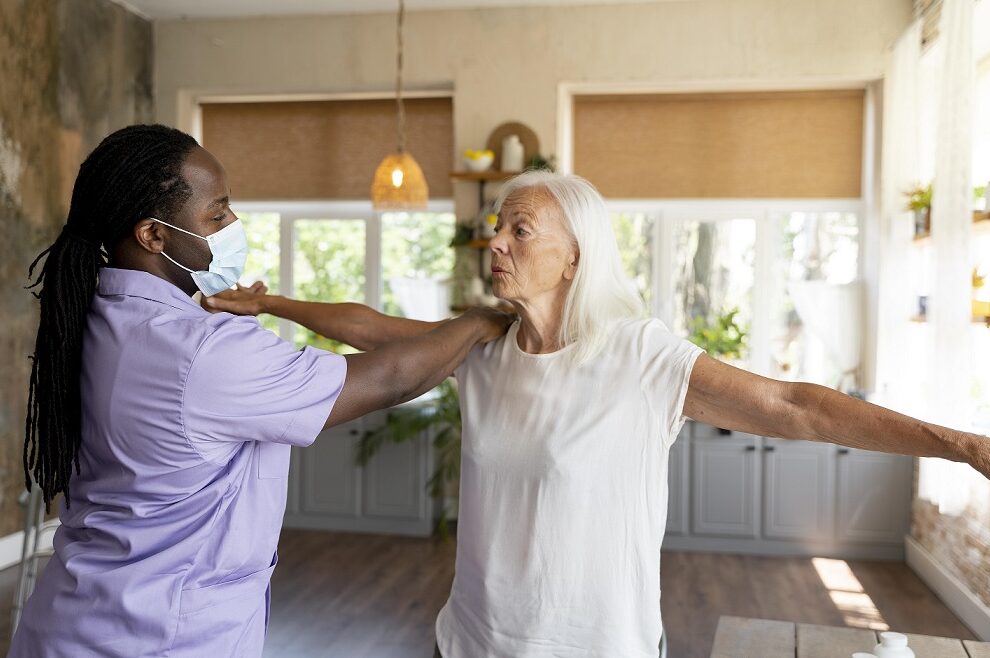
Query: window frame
x=291, y=212
x=665, y=212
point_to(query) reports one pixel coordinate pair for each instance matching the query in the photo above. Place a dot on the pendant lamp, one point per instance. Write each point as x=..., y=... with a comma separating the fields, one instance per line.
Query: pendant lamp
x=399, y=183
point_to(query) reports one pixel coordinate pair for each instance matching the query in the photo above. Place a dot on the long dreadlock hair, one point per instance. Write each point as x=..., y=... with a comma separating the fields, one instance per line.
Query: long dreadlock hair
x=134, y=173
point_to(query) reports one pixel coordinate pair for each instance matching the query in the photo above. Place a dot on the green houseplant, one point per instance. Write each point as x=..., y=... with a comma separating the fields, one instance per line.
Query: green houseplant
x=721, y=336
x=919, y=200
x=439, y=415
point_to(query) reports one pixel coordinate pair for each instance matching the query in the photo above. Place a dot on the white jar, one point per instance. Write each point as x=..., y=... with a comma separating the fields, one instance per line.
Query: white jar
x=893, y=645
x=512, y=154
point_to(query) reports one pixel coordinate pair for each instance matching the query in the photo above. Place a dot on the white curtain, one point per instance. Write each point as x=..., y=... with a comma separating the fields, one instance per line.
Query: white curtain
x=950, y=371
x=831, y=312
x=422, y=299
x=896, y=301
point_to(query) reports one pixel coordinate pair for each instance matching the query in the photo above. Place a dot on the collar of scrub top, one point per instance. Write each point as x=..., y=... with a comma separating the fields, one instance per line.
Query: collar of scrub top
x=137, y=283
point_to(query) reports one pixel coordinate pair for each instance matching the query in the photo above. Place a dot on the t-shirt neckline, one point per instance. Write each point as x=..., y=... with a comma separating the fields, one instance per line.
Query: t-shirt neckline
x=511, y=337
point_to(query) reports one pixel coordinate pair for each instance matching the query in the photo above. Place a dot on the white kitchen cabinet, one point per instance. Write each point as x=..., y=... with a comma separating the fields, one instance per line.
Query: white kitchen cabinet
x=798, y=490
x=725, y=493
x=874, y=500
x=678, y=482
x=760, y=496
x=328, y=491
x=329, y=482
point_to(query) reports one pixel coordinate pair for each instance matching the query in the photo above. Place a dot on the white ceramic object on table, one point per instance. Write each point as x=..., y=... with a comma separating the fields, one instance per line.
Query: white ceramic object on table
x=479, y=163
x=893, y=645
x=512, y=154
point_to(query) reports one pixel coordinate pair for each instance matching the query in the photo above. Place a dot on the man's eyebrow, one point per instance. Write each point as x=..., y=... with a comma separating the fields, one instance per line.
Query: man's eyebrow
x=222, y=201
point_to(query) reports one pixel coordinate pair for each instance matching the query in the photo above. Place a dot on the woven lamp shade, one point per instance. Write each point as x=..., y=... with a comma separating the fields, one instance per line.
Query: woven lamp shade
x=399, y=184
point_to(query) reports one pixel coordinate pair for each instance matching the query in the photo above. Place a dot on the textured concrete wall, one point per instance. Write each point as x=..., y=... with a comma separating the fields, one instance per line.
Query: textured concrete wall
x=960, y=542
x=70, y=72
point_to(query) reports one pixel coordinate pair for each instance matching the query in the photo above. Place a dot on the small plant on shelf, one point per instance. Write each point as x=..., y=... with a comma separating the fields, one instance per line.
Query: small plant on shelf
x=919, y=200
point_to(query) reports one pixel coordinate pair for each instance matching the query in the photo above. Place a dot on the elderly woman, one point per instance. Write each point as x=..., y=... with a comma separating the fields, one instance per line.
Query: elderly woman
x=568, y=423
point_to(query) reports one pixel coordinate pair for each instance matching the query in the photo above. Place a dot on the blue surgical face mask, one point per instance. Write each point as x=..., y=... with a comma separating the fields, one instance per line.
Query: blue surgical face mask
x=229, y=248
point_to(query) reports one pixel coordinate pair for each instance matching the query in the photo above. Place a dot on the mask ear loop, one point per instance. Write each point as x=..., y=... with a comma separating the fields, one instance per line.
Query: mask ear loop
x=178, y=229
x=178, y=264
x=155, y=219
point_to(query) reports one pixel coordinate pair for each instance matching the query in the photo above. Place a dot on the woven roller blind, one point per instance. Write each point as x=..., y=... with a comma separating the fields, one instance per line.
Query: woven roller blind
x=325, y=149
x=739, y=145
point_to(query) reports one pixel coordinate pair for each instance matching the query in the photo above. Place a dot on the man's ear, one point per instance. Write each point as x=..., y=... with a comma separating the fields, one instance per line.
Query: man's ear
x=149, y=235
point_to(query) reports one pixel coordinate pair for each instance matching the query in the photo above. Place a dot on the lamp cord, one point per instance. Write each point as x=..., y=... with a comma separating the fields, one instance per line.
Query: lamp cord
x=398, y=77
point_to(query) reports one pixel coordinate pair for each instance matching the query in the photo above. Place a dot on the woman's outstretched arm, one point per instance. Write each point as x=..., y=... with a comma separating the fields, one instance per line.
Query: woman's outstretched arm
x=355, y=324
x=734, y=399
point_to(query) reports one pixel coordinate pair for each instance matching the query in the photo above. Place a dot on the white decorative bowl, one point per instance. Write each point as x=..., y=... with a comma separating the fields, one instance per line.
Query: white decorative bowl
x=478, y=164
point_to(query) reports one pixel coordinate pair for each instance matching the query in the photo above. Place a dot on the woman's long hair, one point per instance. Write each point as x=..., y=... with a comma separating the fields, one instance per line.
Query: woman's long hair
x=600, y=294
x=133, y=173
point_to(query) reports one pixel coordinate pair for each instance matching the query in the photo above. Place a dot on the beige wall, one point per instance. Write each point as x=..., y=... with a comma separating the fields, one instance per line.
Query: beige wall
x=505, y=64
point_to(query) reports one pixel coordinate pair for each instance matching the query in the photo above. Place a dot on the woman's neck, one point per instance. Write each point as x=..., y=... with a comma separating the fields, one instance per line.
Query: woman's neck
x=539, y=326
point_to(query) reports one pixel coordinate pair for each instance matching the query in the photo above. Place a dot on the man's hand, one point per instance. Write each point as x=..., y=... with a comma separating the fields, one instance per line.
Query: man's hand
x=495, y=322
x=239, y=301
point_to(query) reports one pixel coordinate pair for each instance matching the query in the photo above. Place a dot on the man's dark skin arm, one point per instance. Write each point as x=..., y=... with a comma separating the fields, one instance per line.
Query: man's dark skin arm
x=405, y=368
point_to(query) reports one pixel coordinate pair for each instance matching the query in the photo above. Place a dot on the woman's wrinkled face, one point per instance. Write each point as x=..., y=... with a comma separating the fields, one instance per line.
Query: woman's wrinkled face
x=533, y=253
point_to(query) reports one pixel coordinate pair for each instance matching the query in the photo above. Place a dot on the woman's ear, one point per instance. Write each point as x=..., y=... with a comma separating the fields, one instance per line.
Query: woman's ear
x=571, y=269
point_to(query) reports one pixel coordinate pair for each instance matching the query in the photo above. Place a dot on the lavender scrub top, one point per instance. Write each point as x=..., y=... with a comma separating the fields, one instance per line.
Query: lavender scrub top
x=187, y=419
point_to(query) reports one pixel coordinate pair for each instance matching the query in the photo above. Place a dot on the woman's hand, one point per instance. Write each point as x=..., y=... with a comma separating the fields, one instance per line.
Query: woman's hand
x=495, y=322
x=239, y=301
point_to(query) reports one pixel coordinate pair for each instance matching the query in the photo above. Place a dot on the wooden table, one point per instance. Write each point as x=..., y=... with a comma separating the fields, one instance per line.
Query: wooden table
x=739, y=637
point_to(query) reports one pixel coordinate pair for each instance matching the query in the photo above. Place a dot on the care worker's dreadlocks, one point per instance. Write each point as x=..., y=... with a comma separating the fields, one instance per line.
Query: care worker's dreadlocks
x=134, y=173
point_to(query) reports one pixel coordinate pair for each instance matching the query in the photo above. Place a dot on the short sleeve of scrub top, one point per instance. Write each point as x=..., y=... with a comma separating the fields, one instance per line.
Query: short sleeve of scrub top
x=247, y=384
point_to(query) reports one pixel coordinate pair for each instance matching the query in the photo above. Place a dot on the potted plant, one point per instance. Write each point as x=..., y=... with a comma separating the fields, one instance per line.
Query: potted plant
x=919, y=200
x=721, y=337
x=440, y=415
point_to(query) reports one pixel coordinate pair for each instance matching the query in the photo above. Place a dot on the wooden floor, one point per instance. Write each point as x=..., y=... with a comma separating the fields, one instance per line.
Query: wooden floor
x=338, y=595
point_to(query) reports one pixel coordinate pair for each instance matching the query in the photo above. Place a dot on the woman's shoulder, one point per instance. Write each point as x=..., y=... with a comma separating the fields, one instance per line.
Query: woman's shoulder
x=639, y=328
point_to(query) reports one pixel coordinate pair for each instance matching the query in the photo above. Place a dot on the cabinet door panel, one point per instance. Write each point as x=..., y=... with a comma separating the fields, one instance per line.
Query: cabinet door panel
x=329, y=476
x=678, y=481
x=874, y=497
x=798, y=490
x=725, y=487
x=394, y=482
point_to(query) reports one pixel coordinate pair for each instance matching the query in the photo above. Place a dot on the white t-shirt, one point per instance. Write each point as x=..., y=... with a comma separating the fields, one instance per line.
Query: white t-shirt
x=563, y=499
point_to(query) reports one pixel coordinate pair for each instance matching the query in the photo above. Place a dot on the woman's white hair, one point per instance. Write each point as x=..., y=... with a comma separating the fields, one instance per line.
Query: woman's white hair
x=601, y=294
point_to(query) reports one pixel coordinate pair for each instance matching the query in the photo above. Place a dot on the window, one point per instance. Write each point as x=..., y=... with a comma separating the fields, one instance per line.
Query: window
x=697, y=261
x=343, y=251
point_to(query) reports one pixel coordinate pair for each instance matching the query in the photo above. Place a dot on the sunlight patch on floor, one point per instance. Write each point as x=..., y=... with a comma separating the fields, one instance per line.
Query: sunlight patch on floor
x=848, y=595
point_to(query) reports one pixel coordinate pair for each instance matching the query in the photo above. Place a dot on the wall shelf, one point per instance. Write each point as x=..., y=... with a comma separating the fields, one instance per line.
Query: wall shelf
x=981, y=222
x=482, y=178
x=917, y=319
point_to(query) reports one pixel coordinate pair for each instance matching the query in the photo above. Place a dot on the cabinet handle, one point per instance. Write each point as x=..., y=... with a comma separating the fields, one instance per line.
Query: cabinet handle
x=355, y=432
x=768, y=448
x=843, y=451
x=750, y=448
x=722, y=432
